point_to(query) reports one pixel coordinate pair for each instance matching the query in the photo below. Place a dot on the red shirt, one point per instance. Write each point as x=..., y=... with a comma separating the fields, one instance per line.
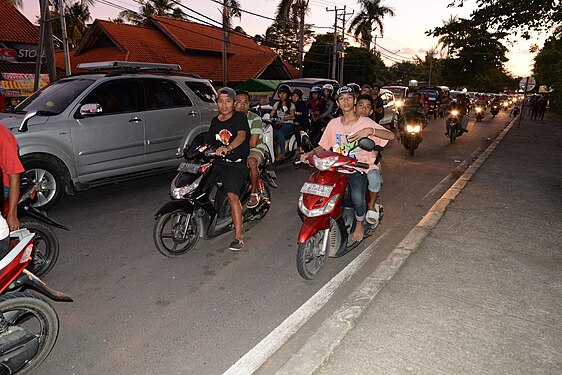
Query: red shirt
x=9, y=159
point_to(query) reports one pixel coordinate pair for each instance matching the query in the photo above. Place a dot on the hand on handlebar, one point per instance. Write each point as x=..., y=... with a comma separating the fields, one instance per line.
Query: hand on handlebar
x=222, y=151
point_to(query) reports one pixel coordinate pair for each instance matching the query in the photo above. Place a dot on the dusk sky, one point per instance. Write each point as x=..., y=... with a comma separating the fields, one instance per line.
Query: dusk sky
x=404, y=34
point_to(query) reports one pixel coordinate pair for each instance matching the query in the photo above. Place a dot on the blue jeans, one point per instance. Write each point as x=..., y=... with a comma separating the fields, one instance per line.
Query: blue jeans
x=358, y=184
x=285, y=128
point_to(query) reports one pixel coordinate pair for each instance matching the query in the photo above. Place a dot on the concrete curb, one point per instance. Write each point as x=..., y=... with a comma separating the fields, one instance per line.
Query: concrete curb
x=329, y=335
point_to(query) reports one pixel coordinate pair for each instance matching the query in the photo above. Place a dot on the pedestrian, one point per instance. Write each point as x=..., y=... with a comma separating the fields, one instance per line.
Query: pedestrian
x=542, y=107
x=535, y=107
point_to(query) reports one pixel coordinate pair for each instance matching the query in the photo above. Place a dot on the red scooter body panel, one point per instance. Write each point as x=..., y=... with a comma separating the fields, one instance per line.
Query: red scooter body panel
x=14, y=269
x=311, y=226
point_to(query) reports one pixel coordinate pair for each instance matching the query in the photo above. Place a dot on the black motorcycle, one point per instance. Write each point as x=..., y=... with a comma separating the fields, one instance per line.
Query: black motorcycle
x=455, y=129
x=412, y=132
x=199, y=208
x=495, y=109
x=46, y=244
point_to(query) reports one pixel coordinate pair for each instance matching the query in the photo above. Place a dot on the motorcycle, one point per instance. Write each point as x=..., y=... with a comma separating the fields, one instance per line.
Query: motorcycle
x=455, y=130
x=495, y=109
x=412, y=133
x=46, y=244
x=327, y=211
x=479, y=113
x=29, y=325
x=290, y=140
x=199, y=209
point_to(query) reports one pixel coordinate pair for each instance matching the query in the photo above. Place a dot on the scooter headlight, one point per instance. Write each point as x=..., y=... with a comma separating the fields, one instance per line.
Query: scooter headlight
x=399, y=103
x=180, y=192
x=324, y=164
x=478, y=109
x=325, y=209
x=413, y=128
x=455, y=112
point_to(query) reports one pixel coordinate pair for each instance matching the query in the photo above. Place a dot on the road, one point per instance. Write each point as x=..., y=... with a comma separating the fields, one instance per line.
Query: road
x=137, y=312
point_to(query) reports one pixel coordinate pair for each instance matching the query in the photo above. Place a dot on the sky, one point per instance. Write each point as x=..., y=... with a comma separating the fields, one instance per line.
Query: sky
x=404, y=34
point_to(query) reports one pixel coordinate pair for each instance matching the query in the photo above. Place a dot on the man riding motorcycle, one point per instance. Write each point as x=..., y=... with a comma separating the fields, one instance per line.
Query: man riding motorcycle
x=461, y=105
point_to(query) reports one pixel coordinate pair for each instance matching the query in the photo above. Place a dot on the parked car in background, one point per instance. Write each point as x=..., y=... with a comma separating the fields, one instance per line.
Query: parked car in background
x=400, y=92
x=116, y=122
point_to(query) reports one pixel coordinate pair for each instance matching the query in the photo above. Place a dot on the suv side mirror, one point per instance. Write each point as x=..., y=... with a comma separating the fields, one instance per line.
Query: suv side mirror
x=91, y=109
x=23, y=127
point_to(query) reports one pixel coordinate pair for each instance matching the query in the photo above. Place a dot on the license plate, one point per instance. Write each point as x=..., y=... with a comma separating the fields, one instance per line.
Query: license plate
x=189, y=167
x=317, y=189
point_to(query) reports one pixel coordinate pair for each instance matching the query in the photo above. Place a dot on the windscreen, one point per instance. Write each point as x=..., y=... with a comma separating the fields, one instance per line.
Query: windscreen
x=54, y=99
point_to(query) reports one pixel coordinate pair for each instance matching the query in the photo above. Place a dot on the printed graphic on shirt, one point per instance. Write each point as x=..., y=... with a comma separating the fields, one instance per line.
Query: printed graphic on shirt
x=345, y=147
x=224, y=136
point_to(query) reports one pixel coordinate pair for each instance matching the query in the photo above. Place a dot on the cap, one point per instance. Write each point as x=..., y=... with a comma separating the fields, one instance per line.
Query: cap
x=284, y=88
x=228, y=91
x=344, y=90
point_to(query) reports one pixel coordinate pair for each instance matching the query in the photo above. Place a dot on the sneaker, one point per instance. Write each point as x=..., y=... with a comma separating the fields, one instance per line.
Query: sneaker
x=236, y=245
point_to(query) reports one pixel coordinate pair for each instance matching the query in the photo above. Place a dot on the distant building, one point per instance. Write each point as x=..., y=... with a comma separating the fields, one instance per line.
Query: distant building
x=197, y=48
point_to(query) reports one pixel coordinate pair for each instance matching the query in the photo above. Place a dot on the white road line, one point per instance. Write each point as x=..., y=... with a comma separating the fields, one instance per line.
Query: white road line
x=257, y=356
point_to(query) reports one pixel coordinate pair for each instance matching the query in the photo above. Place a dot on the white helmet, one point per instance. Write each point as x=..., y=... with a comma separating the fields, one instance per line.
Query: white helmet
x=328, y=86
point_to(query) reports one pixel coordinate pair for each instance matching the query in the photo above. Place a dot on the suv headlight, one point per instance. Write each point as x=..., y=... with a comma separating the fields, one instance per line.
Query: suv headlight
x=325, y=209
x=179, y=193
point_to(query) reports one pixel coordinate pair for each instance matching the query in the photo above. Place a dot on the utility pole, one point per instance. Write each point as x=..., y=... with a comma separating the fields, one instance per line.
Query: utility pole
x=342, y=55
x=301, y=7
x=224, y=42
x=49, y=46
x=64, y=38
x=39, y=58
x=335, y=46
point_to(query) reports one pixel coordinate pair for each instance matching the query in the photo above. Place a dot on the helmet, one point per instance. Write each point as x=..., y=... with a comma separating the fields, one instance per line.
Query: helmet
x=328, y=86
x=355, y=87
x=344, y=90
x=315, y=89
x=298, y=92
x=285, y=89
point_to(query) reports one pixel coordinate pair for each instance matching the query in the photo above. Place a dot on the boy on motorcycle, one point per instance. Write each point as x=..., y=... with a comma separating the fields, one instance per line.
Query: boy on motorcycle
x=461, y=105
x=316, y=107
x=228, y=132
x=257, y=148
x=340, y=136
x=365, y=108
x=10, y=169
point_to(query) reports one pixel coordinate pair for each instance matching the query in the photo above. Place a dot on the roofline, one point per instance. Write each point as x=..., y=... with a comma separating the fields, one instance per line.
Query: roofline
x=92, y=30
x=166, y=32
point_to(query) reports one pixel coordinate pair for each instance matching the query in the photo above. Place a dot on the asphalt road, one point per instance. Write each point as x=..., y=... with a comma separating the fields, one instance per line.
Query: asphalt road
x=137, y=312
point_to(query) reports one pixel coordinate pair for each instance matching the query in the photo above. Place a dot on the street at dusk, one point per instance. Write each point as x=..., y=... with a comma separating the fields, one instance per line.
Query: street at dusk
x=290, y=187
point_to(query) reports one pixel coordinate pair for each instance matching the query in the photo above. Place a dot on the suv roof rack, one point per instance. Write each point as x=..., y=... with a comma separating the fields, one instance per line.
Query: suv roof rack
x=129, y=66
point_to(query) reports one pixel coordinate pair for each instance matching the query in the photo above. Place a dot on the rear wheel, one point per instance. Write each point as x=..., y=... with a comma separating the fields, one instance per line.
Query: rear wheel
x=45, y=246
x=175, y=233
x=411, y=150
x=35, y=316
x=310, y=260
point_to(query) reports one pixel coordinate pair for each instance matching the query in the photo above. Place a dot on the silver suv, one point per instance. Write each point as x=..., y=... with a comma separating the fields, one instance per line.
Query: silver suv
x=96, y=128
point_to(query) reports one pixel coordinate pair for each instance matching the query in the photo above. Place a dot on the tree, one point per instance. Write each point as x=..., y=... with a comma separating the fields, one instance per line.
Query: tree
x=76, y=15
x=234, y=10
x=363, y=24
x=548, y=69
x=518, y=17
x=150, y=8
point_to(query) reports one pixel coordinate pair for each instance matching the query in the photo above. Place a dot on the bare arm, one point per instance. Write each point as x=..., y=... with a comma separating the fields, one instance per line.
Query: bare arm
x=13, y=199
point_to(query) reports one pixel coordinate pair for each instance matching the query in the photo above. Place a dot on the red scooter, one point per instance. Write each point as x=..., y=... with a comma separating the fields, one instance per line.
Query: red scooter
x=327, y=211
x=29, y=325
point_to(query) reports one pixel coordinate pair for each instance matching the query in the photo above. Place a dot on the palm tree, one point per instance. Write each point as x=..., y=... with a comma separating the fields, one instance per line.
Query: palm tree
x=150, y=8
x=77, y=16
x=17, y=3
x=233, y=10
x=446, y=40
x=368, y=19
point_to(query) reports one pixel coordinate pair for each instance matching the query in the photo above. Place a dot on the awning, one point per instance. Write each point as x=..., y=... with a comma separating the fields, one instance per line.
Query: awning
x=259, y=85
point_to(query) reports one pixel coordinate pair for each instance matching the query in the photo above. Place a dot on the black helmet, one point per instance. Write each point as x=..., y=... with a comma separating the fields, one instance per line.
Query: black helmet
x=355, y=87
x=284, y=88
x=297, y=92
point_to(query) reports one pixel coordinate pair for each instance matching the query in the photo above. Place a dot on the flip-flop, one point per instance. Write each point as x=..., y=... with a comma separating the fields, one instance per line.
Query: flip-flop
x=257, y=200
x=372, y=217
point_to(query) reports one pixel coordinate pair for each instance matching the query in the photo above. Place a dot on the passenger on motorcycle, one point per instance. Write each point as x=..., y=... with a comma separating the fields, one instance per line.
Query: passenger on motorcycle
x=364, y=108
x=284, y=110
x=316, y=107
x=415, y=108
x=301, y=116
x=328, y=93
x=461, y=104
x=341, y=135
x=379, y=103
x=229, y=133
x=257, y=148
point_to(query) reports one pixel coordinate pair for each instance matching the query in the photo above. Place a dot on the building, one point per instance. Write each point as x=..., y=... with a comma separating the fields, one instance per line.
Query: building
x=197, y=48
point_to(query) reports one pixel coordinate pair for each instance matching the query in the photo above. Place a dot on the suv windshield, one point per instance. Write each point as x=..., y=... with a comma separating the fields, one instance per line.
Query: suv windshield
x=54, y=99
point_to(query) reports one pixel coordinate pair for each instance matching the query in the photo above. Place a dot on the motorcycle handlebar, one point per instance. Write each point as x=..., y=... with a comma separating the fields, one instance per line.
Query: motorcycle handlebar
x=358, y=164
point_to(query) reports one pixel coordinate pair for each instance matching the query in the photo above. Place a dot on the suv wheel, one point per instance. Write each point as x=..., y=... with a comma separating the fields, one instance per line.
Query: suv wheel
x=50, y=183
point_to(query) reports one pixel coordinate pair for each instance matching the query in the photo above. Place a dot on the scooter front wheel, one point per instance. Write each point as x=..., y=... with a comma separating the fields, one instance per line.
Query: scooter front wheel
x=45, y=246
x=310, y=259
x=175, y=233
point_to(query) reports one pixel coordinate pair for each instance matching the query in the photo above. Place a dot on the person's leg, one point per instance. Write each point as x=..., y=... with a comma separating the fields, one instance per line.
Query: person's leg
x=358, y=185
x=447, y=126
x=236, y=212
x=253, y=162
x=297, y=134
x=374, y=183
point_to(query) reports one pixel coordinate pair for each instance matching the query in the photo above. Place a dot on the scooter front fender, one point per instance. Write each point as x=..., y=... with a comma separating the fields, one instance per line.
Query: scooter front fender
x=311, y=226
x=172, y=206
x=34, y=213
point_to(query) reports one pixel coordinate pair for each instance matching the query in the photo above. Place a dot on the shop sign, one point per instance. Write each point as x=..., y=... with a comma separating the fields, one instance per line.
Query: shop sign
x=18, y=52
x=16, y=84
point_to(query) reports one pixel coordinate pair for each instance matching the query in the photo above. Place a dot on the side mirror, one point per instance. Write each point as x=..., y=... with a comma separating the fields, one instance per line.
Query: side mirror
x=23, y=127
x=366, y=144
x=91, y=109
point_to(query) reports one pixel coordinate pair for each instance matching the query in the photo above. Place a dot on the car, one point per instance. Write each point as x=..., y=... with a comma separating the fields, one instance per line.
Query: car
x=390, y=118
x=435, y=96
x=400, y=92
x=116, y=122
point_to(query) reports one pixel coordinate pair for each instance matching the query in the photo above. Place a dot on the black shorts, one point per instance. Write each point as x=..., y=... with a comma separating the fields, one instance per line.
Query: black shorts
x=232, y=175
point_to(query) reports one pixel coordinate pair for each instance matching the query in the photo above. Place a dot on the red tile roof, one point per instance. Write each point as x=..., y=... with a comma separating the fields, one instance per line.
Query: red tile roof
x=176, y=42
x=14, y=27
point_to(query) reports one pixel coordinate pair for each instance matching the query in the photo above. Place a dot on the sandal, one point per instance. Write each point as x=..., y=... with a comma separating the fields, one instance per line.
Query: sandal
x=236, y=245
x=372, y=217
x=257, y=197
